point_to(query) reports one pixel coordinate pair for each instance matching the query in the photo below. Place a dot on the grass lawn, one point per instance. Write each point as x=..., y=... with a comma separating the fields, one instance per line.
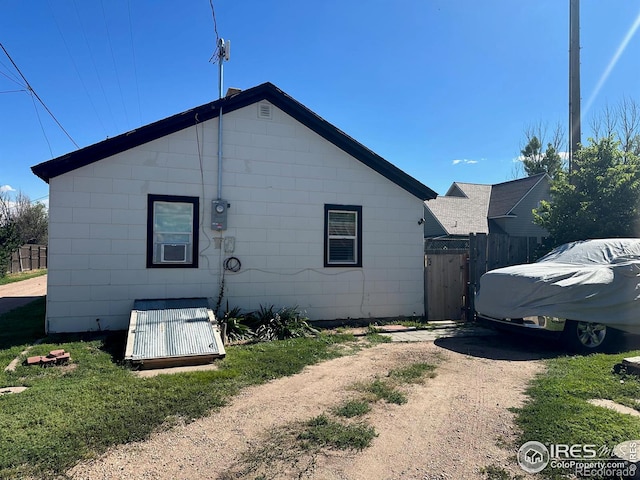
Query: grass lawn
x=18, y=277
x=79, y=410
x=558, y=413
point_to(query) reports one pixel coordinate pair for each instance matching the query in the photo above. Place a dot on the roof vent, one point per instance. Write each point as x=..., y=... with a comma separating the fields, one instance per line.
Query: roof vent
x=264, y=110
x=232, y=91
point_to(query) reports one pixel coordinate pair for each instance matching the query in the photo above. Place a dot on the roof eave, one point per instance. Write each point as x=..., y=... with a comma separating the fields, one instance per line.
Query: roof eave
x=542, y=177
x=265, y=91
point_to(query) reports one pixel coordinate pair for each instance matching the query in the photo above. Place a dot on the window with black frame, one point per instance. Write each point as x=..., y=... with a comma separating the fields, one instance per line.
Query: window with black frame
x=343, y=236
x=172, y=231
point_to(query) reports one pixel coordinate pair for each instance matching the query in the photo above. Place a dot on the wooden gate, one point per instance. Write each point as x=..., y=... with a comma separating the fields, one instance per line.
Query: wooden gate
x=445, y=285
x=452, y=270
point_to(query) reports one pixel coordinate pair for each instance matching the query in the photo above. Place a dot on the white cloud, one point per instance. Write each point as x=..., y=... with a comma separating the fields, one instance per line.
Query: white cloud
x=463, y=161
x=6, y=188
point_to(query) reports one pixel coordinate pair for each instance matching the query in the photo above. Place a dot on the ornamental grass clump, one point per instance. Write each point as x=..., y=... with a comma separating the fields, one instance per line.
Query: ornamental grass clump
x=285, y=323
x=266, y=324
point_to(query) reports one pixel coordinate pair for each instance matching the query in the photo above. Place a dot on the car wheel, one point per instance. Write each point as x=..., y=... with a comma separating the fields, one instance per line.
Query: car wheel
x=588, y=337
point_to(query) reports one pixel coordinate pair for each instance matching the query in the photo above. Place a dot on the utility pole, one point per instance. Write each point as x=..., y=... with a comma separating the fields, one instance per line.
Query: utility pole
x=574, y=80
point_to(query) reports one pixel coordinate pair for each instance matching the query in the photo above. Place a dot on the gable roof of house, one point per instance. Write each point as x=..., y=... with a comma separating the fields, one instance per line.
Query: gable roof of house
x=505, y=196
x=461, y=215
x=266, y=91
x=467, y=207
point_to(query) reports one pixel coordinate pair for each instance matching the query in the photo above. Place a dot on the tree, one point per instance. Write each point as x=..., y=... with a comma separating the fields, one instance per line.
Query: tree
x=21, y=222
x=621, y=121
x=600, y=198
x=31, y=220
x=535, y=160
x=9, y=237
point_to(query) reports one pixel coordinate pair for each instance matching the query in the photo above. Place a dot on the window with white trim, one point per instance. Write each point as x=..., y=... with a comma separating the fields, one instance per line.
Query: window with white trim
x=343, y=236
x=172, y=231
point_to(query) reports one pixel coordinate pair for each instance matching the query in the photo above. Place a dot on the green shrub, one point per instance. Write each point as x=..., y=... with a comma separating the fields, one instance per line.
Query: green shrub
x=235, y=328
x=286, y=323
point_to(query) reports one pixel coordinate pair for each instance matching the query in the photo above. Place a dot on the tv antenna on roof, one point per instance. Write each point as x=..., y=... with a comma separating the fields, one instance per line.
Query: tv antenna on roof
x=224, y=53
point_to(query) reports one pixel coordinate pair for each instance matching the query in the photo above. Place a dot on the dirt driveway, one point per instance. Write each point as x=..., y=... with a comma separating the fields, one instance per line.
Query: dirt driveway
x=14, y=295
x=452, y=426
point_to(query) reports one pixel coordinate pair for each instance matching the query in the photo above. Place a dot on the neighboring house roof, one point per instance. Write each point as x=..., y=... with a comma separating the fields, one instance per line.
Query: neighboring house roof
x=266, y=91
x=505, y=196
x=467, y=207
x=461, y=215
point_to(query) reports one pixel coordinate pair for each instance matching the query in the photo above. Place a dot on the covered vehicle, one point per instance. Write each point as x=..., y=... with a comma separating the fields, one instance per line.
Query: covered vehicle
x=588, y=291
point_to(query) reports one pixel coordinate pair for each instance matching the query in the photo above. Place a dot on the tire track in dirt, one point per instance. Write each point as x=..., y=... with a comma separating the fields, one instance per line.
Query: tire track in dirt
x=449, y=428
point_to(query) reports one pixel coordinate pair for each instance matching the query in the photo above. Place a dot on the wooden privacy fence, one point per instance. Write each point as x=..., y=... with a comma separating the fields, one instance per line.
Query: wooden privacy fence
x=28, y=257
x=488, y=252
x=451, y=274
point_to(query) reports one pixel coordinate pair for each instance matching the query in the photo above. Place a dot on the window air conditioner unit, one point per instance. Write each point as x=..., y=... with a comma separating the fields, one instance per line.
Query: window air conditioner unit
x=173, y=253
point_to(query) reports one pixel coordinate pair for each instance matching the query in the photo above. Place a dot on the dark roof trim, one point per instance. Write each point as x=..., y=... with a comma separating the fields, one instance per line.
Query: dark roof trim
x=266, y=91
x=543, y=176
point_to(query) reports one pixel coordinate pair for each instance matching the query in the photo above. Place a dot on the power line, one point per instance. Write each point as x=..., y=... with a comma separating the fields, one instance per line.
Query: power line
x=135, y=68
x=75, y=67
x=30, y=88
x=215, y=24
x=216, y=54
x=35, y=107
x=10, y=78
x=13, y=78
x=95, y=68
x=115, y=66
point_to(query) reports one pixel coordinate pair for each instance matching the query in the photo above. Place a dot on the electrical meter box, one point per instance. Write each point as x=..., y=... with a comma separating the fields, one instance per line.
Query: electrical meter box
x=219, y=214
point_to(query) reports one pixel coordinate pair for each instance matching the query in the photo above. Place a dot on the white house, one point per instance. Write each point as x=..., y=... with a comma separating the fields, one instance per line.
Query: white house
x=308, y=217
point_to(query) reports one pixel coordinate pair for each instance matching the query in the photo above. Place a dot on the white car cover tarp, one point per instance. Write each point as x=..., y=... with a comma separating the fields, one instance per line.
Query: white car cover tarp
x=592, y=280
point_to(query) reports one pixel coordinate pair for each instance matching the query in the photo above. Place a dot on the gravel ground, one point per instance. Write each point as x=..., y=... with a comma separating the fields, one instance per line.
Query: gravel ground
x=14, y=295
x=452, y=426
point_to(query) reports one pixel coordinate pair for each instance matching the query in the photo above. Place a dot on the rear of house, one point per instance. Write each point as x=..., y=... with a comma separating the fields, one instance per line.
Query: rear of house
x=504, y=208
x=308, y=217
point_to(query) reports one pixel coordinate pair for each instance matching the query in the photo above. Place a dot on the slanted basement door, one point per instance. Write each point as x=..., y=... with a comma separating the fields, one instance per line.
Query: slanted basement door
x=173, y=332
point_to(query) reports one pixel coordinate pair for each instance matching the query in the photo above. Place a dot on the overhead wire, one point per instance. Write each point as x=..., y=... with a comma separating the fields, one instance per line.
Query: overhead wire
x=75, y=67
x=135, y=68
x=35, y=107
x=12, y=78
x=95, y=68
x=215, y=57
x=35, y=94
x=115, y=65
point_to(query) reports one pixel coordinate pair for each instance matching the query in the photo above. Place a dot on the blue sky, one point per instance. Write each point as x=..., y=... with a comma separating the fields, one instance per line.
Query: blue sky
x=444, y=89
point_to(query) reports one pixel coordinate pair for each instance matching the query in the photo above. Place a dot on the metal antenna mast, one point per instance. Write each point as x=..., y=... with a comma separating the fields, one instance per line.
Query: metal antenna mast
x=224, y=49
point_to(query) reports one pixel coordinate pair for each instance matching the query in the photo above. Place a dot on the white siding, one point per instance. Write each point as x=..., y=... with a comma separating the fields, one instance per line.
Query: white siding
x=277, y=176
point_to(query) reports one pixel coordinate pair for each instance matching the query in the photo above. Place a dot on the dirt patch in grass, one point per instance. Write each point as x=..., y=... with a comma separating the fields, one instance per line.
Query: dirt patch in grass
x=452, y=425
